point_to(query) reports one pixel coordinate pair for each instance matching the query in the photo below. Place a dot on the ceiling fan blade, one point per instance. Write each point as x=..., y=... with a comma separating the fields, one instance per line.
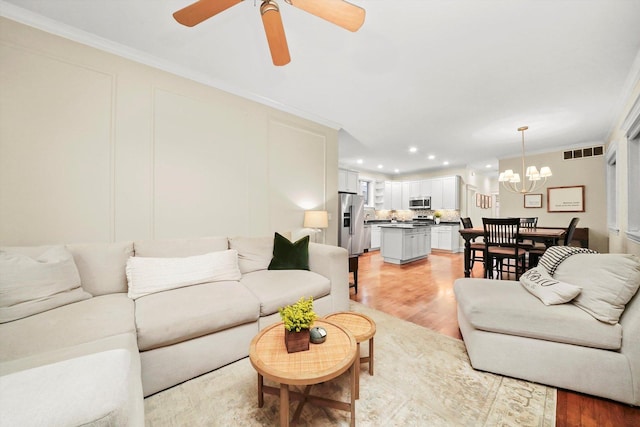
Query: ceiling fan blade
x=201, y=10
x=339, y=12
x=275, y=32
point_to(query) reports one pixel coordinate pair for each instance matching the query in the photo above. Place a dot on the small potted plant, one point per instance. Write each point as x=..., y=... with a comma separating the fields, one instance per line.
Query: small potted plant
x=437, y=215
x=298, y=319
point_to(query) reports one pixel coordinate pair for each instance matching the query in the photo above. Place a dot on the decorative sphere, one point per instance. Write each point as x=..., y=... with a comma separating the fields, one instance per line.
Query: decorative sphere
x=317, y=335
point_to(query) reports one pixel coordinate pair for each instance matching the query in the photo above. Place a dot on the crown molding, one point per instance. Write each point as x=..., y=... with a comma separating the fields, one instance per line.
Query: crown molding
x=40, y=22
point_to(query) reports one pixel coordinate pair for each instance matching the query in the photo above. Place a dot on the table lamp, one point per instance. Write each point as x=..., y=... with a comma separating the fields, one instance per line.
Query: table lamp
x=317, y=220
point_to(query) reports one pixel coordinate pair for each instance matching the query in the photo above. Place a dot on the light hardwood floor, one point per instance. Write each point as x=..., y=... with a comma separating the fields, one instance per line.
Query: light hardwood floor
x=422, y=292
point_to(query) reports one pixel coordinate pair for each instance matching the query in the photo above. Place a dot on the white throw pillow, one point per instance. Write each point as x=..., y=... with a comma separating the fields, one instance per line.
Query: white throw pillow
x=608, y=282
x=254, y=253
x=550, y=291
x=150, y=275
x=32, y=285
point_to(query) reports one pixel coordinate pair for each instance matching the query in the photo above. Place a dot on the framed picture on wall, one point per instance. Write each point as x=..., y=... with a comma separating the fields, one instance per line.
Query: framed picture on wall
x=489, y=199
x=533, y=200
x=565, y=199
x=478, y=200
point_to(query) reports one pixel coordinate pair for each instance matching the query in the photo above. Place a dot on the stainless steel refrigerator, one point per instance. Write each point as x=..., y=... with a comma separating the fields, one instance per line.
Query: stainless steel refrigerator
x=351, y=226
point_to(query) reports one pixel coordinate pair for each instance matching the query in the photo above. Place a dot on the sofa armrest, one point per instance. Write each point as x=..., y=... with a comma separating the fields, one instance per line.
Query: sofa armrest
x=332, y=262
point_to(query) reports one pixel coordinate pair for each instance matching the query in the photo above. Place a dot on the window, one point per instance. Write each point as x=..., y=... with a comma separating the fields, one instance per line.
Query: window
x=633, y=174
x=612, y=181
x=631, y=126
x=365, y=191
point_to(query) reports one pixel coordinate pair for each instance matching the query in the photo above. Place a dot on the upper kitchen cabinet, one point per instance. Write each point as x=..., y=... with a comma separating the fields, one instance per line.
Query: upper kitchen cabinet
x=393, y=197
x=425, y=187
x=406, y=193
x=445, y=193
x=347, y=181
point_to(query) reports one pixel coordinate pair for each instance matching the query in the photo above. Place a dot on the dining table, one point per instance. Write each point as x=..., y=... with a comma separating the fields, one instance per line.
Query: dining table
x=548, y=236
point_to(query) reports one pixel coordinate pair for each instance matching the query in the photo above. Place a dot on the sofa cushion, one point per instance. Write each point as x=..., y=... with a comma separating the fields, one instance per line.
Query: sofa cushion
x=289, y=255
x=101, y=266
x=148, y=275
x=178, y=315
x=608, y=282
x=133, y=409
x=277, y=288
x=179, y=247
x=254, y=253
x=72, y=324
x=505, y=307
x=65, y=393
x=31, y=285
x=549, y=290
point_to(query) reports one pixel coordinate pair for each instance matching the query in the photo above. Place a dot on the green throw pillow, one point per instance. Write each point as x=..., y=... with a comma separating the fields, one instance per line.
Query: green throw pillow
x=290, y=256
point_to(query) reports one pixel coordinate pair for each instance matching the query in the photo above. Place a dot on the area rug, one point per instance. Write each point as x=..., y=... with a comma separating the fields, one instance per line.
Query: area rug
x=421, y=378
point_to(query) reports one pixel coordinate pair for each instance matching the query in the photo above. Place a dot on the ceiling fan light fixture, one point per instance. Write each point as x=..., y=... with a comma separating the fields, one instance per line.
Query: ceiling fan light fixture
x=338, y=12
x=274, y=31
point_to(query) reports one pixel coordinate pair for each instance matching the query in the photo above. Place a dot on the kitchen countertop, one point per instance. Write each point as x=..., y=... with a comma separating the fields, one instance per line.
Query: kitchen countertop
x=383, y=222
x=405, y=225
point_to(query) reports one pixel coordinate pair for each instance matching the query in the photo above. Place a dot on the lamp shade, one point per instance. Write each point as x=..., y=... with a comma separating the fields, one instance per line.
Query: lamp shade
x=316, y=219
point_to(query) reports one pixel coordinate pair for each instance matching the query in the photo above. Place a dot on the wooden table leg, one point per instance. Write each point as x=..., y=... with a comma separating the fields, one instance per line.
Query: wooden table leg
x=357, y=365
x=371, y=356
x=260, y=392
x=354, y=368
x=284, y=405
x=467, y=257
x=296, y=414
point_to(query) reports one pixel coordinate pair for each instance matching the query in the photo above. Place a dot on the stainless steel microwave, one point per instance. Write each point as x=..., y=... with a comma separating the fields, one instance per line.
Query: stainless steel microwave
x=420, y=203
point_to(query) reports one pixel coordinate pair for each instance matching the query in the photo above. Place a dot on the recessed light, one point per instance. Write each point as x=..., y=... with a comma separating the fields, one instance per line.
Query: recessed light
x=413, y=149
x=445, y=163
x=380, y=166
x=396, y=170
x=488, y=166
x=359, y=161
x=431, y=157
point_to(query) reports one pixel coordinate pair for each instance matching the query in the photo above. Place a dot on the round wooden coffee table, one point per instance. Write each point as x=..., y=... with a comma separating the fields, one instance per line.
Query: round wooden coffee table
x=363, y=328
x=322, y=362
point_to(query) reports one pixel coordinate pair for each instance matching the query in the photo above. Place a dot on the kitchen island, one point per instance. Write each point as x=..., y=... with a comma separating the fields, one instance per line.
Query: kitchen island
x=403, y=243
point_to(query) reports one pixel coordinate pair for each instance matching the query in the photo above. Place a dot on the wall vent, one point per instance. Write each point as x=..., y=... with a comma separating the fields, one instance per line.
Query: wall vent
x=580, y=153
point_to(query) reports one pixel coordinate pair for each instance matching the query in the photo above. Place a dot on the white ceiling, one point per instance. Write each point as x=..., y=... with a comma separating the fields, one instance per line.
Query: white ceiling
x=453, y=78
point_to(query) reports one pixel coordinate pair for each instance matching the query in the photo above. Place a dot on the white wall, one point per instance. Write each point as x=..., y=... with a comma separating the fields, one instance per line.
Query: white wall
x=588, y=171
x=94, y=147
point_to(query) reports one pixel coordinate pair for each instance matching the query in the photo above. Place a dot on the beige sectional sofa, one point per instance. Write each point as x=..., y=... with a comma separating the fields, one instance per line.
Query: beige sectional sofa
x=590, y=344
x=113, y=349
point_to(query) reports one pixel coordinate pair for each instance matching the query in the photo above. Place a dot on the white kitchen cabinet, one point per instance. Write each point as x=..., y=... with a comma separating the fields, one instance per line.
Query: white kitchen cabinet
x=436, y=193
x=393, y=195
x=445, y=193
x=445, y=237
x=388, y=191
x=348, y=181
x=375, y=236
x=451, y=192
x=425, y=188
x=414, y=189
x=405, y=244
x=406, y=190
x=396, y=195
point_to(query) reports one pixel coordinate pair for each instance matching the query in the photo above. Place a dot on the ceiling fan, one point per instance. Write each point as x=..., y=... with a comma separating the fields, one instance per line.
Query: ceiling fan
x=338, y=12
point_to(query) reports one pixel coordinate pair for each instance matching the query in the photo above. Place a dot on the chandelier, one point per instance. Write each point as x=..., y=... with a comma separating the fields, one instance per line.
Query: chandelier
x=511, y=181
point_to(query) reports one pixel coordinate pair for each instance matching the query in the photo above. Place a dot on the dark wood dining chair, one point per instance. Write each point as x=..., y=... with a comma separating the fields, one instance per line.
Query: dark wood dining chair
x=501, y=237
x=477, y=248
x=528, y=222
x=539, y=249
